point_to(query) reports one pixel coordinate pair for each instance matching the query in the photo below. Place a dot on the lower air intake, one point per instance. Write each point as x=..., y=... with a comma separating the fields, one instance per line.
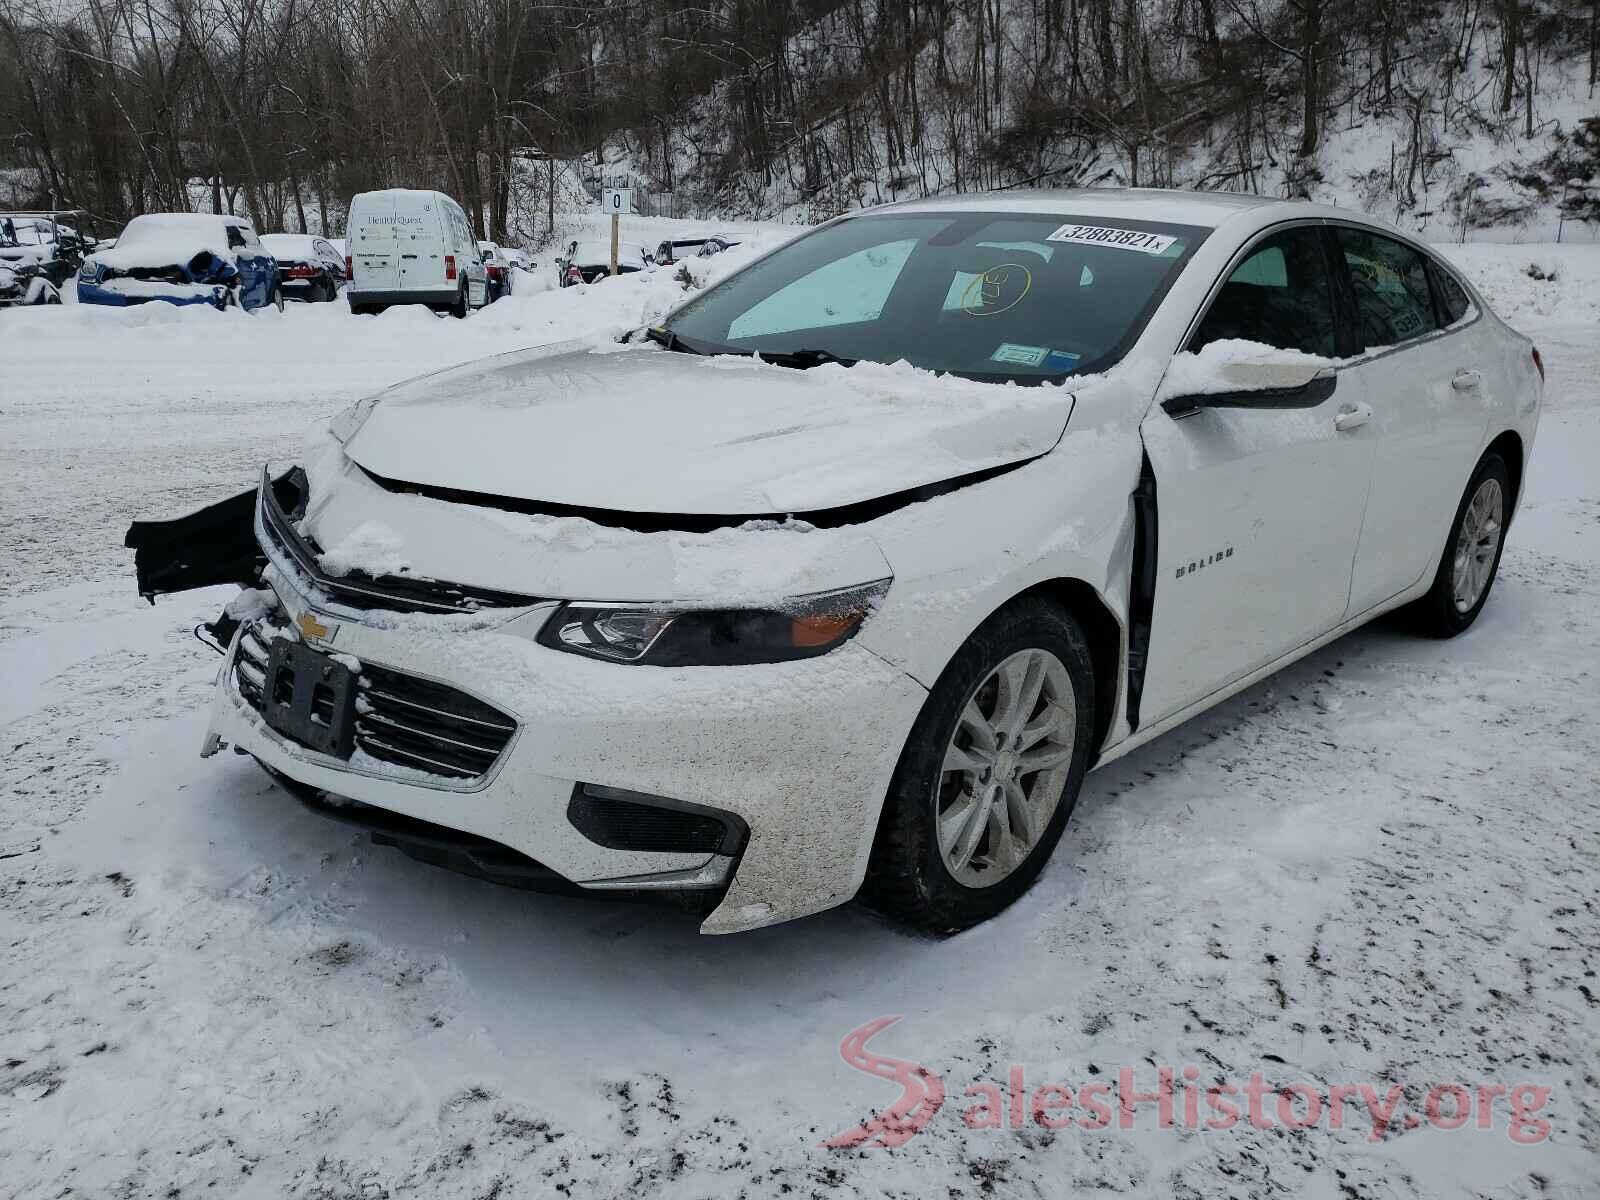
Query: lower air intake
x=621, y=820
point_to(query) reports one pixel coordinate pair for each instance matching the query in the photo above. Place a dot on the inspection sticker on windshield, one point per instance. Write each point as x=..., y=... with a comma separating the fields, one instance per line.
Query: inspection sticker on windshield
x=1027, y=356
x=1120, y=239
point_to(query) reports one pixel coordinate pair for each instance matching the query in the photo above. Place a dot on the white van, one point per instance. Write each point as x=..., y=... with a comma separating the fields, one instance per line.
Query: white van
x=412, y=247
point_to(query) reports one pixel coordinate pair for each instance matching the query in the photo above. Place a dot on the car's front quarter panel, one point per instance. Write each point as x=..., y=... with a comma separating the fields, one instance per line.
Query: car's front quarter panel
x=1066, y=516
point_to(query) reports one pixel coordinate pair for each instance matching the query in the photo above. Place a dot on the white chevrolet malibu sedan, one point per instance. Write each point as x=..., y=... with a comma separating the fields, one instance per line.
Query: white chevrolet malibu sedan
x=841, y=578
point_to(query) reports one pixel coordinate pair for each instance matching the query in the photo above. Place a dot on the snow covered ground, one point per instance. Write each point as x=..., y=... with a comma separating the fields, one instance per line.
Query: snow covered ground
x=1379, y=868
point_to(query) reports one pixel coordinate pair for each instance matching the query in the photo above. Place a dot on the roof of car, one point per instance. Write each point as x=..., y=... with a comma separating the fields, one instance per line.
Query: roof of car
x=1150, y=204
x=298, y=241
x=187, y=220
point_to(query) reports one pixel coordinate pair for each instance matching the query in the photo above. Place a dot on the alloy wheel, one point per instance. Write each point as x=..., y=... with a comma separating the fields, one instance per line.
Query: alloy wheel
x=1477, y=544
x=1005, y=767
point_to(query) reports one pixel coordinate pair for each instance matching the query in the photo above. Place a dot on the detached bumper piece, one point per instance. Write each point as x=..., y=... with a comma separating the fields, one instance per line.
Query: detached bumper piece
x=398, y=718
x=215, y=545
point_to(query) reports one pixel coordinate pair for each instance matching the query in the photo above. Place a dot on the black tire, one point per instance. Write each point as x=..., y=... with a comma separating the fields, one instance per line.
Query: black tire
x=460, y=308
x=1436, y=613
x=907, y=878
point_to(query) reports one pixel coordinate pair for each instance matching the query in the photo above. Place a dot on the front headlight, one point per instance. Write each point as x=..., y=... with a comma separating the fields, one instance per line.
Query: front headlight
x=89, y=272
x=674, y=636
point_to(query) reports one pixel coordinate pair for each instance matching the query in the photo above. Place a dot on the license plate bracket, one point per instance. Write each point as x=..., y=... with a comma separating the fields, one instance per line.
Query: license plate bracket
x=310, y=698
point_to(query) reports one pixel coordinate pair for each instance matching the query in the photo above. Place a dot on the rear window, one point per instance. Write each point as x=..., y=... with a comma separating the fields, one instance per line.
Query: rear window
x=988, y=295
x=1453, y=298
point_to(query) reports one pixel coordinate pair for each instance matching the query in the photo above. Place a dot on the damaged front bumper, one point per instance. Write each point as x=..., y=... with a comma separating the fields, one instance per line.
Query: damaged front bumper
x=755, y=786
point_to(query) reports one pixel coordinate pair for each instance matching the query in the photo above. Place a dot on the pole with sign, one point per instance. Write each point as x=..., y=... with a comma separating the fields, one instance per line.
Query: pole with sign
x=616, y=201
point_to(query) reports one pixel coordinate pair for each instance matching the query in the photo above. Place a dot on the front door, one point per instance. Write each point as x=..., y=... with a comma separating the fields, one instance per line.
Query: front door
x=1259, y=508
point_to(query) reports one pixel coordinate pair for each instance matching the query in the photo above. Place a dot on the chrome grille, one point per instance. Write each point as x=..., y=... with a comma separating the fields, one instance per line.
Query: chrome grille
x=400, y=718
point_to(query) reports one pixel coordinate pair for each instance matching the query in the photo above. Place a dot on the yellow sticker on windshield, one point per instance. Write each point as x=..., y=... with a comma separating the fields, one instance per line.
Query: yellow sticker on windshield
x=996, y=290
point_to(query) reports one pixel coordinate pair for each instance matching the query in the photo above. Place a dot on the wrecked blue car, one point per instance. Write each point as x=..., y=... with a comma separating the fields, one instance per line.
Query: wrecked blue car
x=183, y=258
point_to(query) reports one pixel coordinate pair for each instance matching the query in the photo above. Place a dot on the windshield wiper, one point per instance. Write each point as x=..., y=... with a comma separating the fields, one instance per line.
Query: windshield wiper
x=803, y=359
x=664, y=337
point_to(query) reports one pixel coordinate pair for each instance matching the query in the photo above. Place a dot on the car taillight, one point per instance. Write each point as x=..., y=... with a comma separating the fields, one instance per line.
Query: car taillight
x=1538, y=361
x=300, y=271
x=349, y=268
x=496, y=272
x=449, y=266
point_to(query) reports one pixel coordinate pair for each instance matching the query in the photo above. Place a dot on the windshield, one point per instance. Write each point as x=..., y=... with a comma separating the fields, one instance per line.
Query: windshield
x=997, y=296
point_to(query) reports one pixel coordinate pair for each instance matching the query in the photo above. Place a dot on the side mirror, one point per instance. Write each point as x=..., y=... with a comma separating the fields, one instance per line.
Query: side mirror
x=1254, y=384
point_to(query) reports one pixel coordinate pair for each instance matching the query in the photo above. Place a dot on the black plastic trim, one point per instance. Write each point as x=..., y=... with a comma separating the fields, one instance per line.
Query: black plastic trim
x=604, y=816
x=1309, y=396
x=216, y=544
x=1142, y=586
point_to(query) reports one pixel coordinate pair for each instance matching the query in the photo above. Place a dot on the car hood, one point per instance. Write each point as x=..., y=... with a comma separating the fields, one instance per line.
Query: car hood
x=639, y=429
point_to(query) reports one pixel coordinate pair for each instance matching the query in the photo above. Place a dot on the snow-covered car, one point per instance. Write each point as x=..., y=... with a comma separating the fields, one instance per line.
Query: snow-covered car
x=24, y=283
x=593, y=261
x=183, y=258
x=717, y=243
x=45, y=242
x=841, y=579
x=670, y=250
x=309, y=267
x=498, y=267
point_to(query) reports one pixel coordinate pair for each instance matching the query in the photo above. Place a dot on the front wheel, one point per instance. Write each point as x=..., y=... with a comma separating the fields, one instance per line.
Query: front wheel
x=1471, y=557
x=990, y=772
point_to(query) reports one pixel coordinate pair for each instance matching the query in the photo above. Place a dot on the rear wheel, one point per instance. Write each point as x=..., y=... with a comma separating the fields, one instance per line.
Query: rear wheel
x=459, y=308
x=1471, y=556
x=990, y=772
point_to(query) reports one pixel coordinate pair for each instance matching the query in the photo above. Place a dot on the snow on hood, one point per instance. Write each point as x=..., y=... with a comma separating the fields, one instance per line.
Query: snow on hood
x=167, y=239
x=26, y=254
x=642, y=429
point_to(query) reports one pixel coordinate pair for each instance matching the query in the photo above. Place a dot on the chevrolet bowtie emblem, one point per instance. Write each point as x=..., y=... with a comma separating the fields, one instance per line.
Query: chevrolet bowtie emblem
x=314, y=630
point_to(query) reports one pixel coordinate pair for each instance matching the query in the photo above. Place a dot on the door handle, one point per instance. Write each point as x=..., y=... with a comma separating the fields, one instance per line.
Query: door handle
x=1352, y=416
x=1465, y=381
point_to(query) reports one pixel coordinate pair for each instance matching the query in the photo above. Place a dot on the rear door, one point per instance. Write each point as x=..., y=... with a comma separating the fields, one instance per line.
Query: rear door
x=1259, y=507
x=1430, y=399
x=373, y=243
x=422, y=239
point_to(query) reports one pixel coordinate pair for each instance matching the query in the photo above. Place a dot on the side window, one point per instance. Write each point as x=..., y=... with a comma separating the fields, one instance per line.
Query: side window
x=1390, y=280
x=1281, y=295
x=1453, y=297
x=235, y=238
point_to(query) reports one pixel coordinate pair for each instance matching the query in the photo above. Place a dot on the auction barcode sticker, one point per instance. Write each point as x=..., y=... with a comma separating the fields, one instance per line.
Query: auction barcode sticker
x=1121, y=239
